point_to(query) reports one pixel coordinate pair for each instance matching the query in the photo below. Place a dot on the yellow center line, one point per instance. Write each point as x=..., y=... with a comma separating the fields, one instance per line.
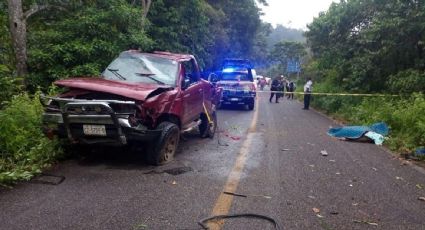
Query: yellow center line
x=224, y=202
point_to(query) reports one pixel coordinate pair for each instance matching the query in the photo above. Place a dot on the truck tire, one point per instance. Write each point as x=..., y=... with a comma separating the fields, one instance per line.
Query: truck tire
x=162, y=150
x=207, y=129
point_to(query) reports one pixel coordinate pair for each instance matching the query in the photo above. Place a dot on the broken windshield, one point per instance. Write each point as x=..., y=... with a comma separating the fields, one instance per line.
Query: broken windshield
x=141, y=68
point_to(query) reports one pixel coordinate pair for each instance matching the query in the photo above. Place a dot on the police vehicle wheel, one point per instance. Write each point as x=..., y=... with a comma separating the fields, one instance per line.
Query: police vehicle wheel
x=207, y=129
x=163, y=149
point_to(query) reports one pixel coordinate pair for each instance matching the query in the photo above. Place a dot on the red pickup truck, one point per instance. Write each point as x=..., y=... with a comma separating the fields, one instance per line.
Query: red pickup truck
x=140, y=98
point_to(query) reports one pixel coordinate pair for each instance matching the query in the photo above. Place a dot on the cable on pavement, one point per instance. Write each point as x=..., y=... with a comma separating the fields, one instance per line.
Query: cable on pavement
x=241, y=215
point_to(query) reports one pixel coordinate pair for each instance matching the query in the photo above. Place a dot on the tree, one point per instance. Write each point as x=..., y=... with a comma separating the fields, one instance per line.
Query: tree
x=18, y=29
x=83, y=41
x=185, y=26
x=285, y=51
x=366, y=43
x=146, y=5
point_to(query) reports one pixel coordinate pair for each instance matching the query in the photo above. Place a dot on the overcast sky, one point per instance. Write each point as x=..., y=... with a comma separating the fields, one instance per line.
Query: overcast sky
x=294, y=13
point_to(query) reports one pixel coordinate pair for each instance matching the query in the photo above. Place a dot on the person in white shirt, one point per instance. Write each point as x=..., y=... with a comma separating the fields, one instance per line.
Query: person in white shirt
x=307, y=90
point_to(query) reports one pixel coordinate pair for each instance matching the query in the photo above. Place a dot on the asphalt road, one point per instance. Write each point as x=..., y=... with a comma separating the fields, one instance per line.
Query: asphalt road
x=272, y=156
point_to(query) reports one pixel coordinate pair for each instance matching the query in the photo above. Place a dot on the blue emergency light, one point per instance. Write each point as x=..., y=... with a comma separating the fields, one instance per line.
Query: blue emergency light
x=235, y=70
x=228, y=70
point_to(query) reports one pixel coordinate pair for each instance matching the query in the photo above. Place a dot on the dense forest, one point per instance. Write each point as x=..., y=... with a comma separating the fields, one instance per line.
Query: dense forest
x=69, y=38
x=368, y=46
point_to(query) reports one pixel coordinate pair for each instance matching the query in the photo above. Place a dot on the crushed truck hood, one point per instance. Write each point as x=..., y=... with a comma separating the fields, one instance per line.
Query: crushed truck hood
x=134, y=90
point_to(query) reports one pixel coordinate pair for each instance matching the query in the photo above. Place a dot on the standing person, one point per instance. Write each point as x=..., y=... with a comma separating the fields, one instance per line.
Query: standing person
x=307, y=90
x=262, y=83
x=282, y=83
x=275, y=87
x=290, y=88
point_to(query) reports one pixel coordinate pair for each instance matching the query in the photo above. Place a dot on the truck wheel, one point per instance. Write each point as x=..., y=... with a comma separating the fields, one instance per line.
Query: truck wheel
x=163, y=149
x=207, y=129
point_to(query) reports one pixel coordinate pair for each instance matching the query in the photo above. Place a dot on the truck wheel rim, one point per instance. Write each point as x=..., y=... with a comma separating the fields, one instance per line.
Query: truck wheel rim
x=212, y=127
x=170, y=148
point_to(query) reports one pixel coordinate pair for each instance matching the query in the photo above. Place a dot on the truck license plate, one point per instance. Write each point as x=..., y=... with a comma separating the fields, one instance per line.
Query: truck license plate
x=94, y=130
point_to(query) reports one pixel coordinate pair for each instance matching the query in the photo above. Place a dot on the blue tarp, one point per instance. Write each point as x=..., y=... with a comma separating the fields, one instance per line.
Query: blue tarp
x=355, y=132
x=420, y=151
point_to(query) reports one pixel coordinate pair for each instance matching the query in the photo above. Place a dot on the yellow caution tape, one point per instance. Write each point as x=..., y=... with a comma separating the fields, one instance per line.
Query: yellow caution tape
x=206, y=112
x=325, y=94
x=341, y=94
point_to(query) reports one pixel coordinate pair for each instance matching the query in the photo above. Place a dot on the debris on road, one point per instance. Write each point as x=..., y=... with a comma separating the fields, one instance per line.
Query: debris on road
x=333, y=212
x=283, y=150
x=49, y=179
x=421, y=198
x=404, y=162
x=419, y=186
x=312, y=197
x=375, y=132
x=318, y=215
x=235, y=138
x=220, y=218
x=316, y=210
x=140, y=227
x=338, y=173
x=178, y=170
x=375, y=169
x=234, y=194
x=324, y=153
x=332, y=160
x=311, y=166
x=242, y=195
x=399, y=178
x=355, y=204
x=172, y=171
x=174, y=182
x=365, y=222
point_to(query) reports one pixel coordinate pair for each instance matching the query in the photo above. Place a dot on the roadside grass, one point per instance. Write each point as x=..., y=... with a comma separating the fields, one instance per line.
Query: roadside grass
x=24, y=150
x=405, y=115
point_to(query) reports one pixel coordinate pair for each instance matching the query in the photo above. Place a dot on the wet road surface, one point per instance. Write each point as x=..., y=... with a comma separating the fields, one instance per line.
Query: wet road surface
x=271, y=156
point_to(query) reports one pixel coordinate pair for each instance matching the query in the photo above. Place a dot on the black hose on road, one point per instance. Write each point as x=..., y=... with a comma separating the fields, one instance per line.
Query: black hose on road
x=249, y=215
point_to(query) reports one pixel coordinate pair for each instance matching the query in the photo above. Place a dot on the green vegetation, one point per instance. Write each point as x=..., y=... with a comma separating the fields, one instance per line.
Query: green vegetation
x=24, y=150
x=369, y=46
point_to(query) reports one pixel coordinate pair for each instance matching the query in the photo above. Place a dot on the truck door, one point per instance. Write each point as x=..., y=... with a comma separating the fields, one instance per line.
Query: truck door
x=192, y=91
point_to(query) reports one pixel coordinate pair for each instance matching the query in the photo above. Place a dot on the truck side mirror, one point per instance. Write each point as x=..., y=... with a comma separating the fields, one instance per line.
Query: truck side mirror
x=185, y=83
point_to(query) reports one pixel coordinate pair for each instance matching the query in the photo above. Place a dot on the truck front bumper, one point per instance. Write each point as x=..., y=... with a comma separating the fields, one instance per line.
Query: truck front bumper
x=115, y=127
x=238, y=99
